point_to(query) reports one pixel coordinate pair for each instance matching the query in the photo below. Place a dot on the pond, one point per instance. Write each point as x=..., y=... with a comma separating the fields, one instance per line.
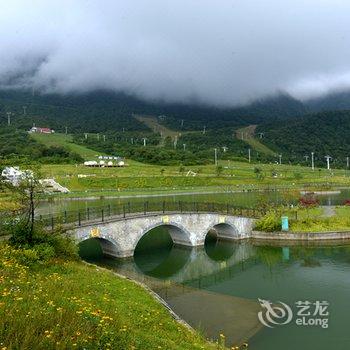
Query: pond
x=217, y=288
x=246, y=199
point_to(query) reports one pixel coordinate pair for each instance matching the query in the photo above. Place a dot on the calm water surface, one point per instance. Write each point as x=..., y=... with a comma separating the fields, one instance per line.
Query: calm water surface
x=248, y=199
x=216, y=288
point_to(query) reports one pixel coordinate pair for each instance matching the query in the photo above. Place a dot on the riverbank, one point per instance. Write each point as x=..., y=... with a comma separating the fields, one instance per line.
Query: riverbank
x=68, y=304
x=332, y=236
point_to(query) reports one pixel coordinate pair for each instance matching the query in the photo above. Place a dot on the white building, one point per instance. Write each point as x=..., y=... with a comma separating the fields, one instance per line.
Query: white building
x=14, y=175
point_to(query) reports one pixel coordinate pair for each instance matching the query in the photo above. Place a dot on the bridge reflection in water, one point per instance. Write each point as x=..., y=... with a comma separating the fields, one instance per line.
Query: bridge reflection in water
x=181, y=276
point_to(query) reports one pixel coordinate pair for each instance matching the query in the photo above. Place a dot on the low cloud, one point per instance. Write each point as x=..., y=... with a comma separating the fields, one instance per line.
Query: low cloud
x=226, y=52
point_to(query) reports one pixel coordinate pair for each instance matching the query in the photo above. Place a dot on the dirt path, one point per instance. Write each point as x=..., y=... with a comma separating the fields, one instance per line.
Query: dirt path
x=328, y=211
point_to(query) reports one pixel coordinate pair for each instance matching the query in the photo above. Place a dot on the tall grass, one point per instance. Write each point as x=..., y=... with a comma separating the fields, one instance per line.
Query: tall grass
x=55, y=304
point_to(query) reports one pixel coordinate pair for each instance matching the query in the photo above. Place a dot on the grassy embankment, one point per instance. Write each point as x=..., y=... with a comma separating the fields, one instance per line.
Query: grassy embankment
x=316, y=219
x=138, y=177
x=70, y=305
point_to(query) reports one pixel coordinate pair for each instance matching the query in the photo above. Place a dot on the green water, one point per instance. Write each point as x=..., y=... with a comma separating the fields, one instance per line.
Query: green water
x=217, y=288
x=247, y=199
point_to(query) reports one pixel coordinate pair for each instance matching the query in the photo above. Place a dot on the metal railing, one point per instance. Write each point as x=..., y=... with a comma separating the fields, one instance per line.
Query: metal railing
x=132, y=209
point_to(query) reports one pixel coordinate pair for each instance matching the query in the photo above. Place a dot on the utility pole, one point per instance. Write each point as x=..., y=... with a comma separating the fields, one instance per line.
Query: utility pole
x=66, y=130
x=104, y=138
x=24, y=110
x=144, y=142
x=132, y=140
x=312, y=161
x=280, y=158
x=86, y=136
x=216, y=156
x=204, y=128
x=8, y=118
x=175, y=142
x=184, y=145
x=182, y=123
x=328, y=158
x=249, y=155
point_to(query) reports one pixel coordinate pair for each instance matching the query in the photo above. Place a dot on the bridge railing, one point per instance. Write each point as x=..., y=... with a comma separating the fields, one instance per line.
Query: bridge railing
x=129, y=209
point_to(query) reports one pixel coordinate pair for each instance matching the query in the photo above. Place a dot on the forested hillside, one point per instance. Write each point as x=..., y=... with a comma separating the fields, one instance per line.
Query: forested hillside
x=191, y=148
x=331, y=102
x=16, y=146
x=325, y=133
x=106, y=111
x=108, y=119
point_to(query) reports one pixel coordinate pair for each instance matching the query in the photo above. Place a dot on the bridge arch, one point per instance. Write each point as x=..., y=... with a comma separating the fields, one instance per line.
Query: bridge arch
x=108, y=245
x=178, y=233
x=225, y=230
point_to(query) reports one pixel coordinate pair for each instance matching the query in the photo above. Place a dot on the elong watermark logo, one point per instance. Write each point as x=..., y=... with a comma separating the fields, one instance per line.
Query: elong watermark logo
x=307, y=313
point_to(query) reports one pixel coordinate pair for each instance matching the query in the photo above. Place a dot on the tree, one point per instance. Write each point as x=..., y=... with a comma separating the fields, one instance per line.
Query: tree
x=258, y=173
x=24, y=193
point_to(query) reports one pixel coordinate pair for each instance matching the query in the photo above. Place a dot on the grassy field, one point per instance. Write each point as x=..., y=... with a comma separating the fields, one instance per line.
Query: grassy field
x=138, y=177
x=65, y=141
x=70, y=305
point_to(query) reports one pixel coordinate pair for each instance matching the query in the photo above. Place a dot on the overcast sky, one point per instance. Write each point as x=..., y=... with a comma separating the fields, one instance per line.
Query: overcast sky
x=223, y=52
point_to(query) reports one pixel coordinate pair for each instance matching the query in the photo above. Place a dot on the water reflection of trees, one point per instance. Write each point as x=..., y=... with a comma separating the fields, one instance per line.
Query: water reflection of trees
x=269, y=256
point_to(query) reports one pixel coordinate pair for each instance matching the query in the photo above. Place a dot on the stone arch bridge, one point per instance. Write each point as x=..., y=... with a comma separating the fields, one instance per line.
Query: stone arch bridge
x=119, y=236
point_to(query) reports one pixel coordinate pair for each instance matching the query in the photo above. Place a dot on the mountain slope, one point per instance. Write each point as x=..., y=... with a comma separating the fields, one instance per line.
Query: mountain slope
x=103, y=111
x=330, y=102
x=325, y=133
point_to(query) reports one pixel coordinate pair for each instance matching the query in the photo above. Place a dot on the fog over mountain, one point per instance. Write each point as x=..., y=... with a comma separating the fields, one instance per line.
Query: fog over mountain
x=224, y=52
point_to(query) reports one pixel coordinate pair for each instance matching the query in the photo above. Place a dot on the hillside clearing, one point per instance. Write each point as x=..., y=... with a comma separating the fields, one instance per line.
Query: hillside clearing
x=153, y=124
x=247, y=134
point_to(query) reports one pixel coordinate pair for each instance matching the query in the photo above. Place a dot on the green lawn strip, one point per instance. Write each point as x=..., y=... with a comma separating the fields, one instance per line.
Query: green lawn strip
x=312, y=220
x=66, y=141
x=71, y=305
x=306, y=220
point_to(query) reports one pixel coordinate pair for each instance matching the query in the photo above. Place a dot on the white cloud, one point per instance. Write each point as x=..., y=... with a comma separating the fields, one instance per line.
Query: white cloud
x=224, y=52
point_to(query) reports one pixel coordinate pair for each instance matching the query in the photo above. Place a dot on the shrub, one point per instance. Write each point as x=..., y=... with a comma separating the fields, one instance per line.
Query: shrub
x=44, y=245
x=269, y=223
x=44, y=251
x=308, y=201
x=28, y=256
x=18, y=230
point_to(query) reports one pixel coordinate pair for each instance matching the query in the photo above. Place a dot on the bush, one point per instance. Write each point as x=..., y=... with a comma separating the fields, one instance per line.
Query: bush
x=28, y=257
x=308, y=201
x=18, y=230
x=44, y=251
x=44, y=245
x=269, y=223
